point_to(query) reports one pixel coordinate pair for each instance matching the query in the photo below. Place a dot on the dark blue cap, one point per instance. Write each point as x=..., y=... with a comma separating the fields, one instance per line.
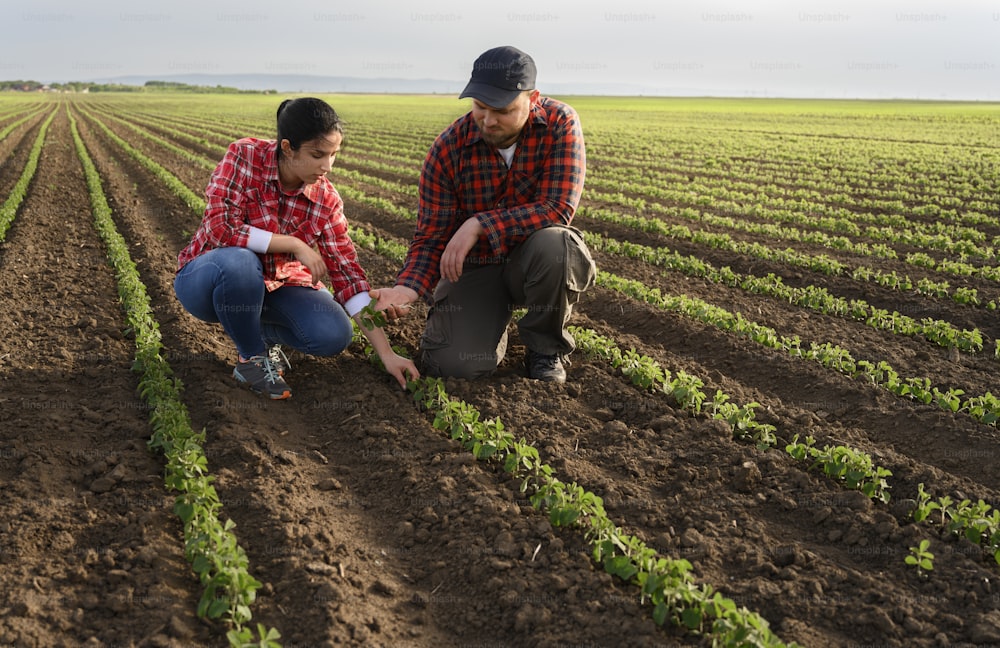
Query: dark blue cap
x=499, y=75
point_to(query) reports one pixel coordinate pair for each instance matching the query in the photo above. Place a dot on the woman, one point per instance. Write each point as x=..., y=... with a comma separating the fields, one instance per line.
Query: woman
x=274, y=227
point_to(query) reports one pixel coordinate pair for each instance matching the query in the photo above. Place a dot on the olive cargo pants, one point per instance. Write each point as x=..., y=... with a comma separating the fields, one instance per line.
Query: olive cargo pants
x=466, y=330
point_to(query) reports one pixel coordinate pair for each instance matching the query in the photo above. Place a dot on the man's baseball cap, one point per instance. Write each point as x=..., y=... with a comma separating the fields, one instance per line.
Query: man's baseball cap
x=499, y=75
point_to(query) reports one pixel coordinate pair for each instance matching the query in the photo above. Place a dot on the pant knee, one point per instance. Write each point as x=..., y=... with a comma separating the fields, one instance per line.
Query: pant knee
x=445, y=363
x=241, y=268
x=332, y=341
x=558, y=257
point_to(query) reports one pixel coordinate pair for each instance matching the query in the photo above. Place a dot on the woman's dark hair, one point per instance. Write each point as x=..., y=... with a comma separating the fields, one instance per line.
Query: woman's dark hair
x=304, y=119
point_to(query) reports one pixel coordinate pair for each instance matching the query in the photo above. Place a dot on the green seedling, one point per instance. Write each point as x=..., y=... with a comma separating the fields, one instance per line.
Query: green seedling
x=921, y=558
x=371, y=318
x=849, y=465
x=244, y=638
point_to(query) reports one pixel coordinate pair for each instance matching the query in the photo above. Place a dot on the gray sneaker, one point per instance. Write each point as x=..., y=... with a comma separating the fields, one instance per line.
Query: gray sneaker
x=279, y=360
x=259, y=374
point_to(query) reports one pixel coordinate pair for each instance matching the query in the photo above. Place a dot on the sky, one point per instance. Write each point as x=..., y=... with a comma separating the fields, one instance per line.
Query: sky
x=923, y=49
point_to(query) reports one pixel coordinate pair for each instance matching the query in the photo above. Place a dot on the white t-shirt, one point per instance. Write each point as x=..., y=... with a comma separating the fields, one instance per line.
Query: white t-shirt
x=508, y=153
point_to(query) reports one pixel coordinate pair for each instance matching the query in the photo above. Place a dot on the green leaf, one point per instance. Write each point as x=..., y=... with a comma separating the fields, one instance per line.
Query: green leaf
x=620, y=566
x=217, y=607
x=563, y=516
x=201, y=564
x=184, y=510
x=660, y=613
x=692, y=617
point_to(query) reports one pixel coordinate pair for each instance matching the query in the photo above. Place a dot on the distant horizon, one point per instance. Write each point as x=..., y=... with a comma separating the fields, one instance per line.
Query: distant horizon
x=261, y=82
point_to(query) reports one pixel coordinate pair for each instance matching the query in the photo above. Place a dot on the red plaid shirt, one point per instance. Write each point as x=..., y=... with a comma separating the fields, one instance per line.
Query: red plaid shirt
x=464, y=177
x=245, y=192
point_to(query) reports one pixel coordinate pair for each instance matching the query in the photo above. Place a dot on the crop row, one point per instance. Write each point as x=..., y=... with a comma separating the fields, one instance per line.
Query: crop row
x=9, y=128
x=854, y=467
x=730, y=194
x=732, y=205
x=665, y=583
x=823, y=264
x=821, y=183
x=888, y=213
x=828, y=456
x=210, y=544
x=819, y=156
x=819, y=299
x=814, y=298
x=978, y=522
x=9, y=208
x=982, y=408
x=985, y=408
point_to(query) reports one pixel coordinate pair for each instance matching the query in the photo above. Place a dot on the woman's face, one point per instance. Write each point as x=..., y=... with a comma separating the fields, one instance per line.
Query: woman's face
x=312, y=161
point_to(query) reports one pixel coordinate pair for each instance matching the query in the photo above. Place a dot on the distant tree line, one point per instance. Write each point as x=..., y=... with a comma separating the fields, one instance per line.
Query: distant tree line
x=149, y=86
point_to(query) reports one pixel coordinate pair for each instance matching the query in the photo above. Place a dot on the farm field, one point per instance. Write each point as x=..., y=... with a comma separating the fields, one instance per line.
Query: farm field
x=770, y=270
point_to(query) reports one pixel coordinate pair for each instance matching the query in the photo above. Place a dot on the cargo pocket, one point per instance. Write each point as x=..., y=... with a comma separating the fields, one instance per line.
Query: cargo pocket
x=580, y=267
x=437, y=332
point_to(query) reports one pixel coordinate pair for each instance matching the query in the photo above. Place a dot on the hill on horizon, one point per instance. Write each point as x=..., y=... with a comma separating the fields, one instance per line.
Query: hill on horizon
x=378, y=85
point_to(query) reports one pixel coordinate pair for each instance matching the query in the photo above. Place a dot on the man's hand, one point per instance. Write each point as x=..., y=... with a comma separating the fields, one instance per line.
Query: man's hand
x=394, y=302
x=457, y=250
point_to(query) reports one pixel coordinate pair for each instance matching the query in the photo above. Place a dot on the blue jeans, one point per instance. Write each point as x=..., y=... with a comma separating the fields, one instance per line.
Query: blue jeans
x=226, y=285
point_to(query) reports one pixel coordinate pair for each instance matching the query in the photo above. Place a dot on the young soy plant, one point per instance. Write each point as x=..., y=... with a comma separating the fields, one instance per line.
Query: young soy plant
x=371, y=318
x=921, y=558
x=853, y=467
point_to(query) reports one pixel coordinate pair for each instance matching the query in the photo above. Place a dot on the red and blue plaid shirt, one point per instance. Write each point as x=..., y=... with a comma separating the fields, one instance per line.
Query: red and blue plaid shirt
x=464, y=177
x=245, y=192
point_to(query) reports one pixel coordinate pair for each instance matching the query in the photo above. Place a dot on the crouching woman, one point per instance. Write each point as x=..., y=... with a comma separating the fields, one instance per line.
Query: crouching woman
x=273, y=229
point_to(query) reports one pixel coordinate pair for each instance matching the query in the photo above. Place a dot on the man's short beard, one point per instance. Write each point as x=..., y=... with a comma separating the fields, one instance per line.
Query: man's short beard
x=504, y=143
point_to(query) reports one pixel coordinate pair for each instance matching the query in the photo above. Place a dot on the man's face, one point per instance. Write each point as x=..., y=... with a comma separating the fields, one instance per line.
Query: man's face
x=500, y=127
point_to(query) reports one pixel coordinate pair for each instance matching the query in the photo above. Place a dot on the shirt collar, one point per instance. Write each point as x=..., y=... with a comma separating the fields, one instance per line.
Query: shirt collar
x=271, y=164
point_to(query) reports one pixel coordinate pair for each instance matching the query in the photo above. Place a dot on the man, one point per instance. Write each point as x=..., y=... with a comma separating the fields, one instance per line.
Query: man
x=498, y=191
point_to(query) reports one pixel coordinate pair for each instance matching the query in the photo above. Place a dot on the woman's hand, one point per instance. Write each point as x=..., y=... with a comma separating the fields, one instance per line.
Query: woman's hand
x=395, y=365
x=312, y=260
x=400, y=368
x=303, y=253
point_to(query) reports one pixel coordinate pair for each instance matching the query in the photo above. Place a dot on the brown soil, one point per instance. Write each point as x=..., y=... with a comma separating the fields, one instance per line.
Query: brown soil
x=369, y=528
